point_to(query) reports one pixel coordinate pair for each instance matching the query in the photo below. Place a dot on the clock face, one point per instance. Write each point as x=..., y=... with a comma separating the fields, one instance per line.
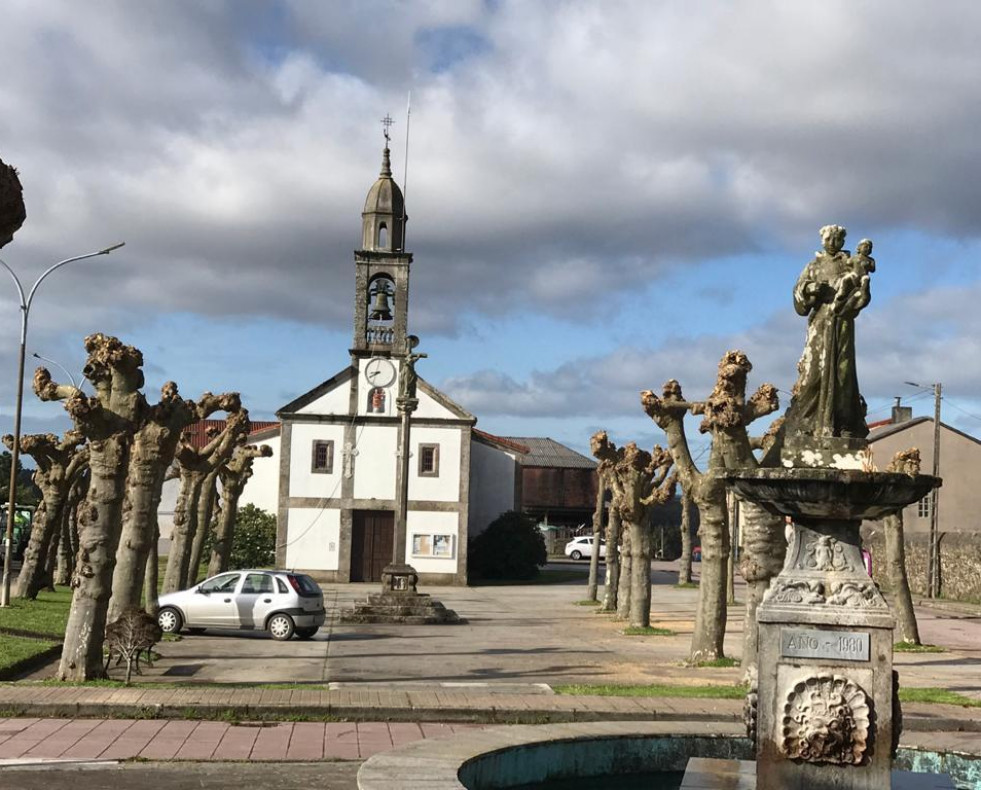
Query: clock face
x=379, y=372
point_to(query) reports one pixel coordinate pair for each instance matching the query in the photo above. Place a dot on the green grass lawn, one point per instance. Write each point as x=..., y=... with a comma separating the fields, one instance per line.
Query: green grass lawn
x=14, y=649
x=937, y=696
x=656, y=690
x=45, y=616
x=910, y=647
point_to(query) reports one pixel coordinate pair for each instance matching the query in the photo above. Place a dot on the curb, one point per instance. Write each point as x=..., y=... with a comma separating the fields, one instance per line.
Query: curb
x=918, y=721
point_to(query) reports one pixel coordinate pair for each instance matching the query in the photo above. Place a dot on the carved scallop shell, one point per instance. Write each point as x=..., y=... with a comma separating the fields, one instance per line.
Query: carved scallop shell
x=826, y=720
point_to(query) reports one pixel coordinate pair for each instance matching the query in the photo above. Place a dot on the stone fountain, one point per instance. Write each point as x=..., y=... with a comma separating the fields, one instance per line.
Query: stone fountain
x=824, y=710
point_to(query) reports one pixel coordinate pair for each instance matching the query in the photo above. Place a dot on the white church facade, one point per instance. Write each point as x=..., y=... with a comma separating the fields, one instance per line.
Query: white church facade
x=334, y=474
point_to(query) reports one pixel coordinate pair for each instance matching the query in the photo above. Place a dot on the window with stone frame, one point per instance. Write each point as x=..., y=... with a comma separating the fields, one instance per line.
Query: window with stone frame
x=428, y=460
x=322, y=460
x=923, y=506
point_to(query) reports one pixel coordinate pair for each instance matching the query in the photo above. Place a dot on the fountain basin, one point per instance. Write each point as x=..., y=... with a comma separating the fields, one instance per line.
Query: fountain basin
x=519, y=756
x=833, y=494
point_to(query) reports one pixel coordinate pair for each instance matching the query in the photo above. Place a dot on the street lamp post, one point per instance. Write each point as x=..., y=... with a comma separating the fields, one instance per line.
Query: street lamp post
x=933, y=558
x=25, y=309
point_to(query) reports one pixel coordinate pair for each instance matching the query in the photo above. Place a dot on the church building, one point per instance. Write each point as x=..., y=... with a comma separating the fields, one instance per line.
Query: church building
x=334, y=475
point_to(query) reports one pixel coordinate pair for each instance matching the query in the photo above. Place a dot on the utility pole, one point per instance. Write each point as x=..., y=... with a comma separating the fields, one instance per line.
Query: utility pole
x=934, y=580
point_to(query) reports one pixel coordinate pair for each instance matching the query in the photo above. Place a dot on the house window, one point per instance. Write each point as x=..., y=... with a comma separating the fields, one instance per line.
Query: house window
x=428, y=460
x=923, y=506
x=323, y=457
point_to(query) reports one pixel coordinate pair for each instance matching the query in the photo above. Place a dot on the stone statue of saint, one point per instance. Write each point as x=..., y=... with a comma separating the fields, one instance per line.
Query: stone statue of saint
x=831, y=291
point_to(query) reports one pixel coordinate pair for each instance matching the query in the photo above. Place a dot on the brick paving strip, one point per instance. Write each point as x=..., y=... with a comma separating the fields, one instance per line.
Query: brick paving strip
x=125, y=739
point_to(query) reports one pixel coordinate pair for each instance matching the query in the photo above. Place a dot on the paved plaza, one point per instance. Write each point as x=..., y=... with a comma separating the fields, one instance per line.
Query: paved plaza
x=374, y=688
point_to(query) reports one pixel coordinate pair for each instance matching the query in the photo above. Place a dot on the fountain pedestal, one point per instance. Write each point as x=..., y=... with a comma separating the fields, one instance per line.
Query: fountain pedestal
x=825, y=711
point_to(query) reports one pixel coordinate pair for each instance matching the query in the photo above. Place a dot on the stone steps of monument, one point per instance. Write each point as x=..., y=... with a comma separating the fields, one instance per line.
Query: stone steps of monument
x=381, y=619
x=401, y=610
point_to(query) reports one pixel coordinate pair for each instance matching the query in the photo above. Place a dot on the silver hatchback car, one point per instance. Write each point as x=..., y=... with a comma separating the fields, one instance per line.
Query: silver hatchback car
x=280, y=602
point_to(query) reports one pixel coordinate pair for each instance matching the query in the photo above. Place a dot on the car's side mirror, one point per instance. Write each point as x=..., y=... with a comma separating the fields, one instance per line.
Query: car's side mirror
x=202, y=591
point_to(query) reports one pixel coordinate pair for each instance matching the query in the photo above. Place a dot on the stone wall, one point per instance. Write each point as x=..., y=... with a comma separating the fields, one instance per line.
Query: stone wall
x=960, y=562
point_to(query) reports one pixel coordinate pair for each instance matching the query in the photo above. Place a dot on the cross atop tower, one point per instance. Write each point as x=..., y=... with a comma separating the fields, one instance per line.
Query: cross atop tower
x=387, y=122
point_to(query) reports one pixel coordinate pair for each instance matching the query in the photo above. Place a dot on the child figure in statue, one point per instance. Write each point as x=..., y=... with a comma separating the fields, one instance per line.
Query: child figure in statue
x=831, y=291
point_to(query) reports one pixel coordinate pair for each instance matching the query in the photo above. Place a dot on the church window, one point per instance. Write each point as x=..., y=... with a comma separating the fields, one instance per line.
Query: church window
x=428, y=460
x=382, y=235
x=923, y=506
x=323, y=457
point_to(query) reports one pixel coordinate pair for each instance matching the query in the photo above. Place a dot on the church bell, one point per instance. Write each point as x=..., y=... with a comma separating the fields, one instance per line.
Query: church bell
x=381, y=309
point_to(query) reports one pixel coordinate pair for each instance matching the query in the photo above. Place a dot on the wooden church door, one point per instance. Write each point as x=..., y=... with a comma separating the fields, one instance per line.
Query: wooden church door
x=372, y=536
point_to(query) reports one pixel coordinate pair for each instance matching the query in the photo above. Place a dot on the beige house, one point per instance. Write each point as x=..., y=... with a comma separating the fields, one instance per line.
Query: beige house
x=959, y=507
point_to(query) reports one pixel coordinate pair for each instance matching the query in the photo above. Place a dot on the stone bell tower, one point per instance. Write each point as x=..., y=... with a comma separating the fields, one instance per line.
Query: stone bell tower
x=382, y=270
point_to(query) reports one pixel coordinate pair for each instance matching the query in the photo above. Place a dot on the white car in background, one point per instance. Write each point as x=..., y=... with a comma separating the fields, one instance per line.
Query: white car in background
x=580, y=547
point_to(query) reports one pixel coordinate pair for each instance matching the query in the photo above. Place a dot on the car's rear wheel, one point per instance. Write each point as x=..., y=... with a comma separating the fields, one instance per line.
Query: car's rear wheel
x=306, y=633
x=576, y=555
x=281, y=627
x=170, y=620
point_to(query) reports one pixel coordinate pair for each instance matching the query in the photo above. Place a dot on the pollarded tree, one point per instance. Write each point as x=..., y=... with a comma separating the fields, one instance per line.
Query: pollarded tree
x=68, y=545
x=726, y=413
x=905, y=462
x=684, y=571
x=57, y=461
x=235, y=473
x=12, y=212
x=639, y=481
x=196, y=466
x=108, y=420
x=593, y=584
x=614, y=525
x=153, y=450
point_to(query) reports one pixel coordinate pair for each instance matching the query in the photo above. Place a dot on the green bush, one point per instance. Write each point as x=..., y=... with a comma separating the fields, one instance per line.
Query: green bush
x=512, y=547
x=254, y=545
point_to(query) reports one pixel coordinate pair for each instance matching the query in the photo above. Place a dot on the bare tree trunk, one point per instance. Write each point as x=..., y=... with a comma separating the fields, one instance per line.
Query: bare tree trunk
x=182, y=535
x=57, y=461
x=713, y=531
x=684, y=574
x=234, y=476
x=206, y=508
x=592, y=584
x=626, y=574
x=99, y=529
x=902, y=600
x=51, y=560
x=66, y=560
x=611, y=590
x=195, y=467
x=150, y=582
x=640, y=576
x=108, y=421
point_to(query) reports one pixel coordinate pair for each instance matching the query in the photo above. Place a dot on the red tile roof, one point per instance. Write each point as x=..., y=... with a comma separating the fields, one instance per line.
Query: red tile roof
x=197, y=435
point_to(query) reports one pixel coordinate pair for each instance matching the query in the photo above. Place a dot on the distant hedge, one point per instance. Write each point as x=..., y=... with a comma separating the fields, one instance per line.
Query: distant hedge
x=512, y=547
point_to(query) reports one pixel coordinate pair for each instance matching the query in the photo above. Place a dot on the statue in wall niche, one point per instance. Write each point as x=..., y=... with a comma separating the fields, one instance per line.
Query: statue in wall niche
x=831, y=292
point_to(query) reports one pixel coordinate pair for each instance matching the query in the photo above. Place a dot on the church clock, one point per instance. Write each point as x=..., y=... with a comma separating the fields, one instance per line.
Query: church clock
x=379, y=372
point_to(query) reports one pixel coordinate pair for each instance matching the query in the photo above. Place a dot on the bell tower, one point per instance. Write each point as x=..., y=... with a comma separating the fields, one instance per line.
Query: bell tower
x=382, y=268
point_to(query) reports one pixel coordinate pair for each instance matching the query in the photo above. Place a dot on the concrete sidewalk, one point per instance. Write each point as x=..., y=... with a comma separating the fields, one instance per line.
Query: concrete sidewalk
x=437, y=703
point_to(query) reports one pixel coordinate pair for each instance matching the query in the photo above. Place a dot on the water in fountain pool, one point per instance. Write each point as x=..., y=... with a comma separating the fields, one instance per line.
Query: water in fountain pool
x=660, y=780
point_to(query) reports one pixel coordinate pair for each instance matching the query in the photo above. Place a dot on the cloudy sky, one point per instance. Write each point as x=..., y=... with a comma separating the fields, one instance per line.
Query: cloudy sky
x=602, y=195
